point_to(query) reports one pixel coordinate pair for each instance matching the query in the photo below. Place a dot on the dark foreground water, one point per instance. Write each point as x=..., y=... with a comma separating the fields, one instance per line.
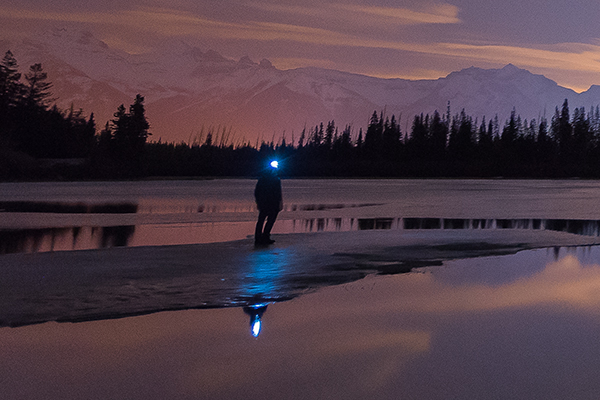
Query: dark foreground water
x=521, y=326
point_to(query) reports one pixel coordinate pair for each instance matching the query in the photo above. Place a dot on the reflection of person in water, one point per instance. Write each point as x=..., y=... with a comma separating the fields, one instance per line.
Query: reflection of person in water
x=269, y=202
x=255, y=312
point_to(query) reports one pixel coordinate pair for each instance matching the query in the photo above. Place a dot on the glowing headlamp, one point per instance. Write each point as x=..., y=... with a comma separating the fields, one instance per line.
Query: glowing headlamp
x=274, y=164
x=255, y=326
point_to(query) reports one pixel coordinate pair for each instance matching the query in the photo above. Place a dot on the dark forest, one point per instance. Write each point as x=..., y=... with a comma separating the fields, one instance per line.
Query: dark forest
x=40, y=141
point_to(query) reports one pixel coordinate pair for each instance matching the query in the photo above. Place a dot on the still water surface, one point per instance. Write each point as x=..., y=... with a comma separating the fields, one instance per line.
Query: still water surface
x=514, y=327
x=521, y=326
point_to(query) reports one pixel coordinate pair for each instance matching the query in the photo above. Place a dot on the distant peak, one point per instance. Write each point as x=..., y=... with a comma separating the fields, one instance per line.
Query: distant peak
x=507, y=69
x=246, y=60
x=70, y=35
x=593, y=89
x=86, y=37
x=512, y=70
x=212, y=55
x=74, y=34
x=469, y=71
x=510, y=67
x=264, y=63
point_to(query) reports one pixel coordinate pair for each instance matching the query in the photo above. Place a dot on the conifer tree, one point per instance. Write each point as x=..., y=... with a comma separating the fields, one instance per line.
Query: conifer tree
x=10, y=86
x=391, y=139
x=373, y=136
x=37, y=91
x=129, y=130
x=562, y=132
x=302, y=138
x=328, y=137
x=582, y=136
x=438, y=132
x=510, y=131
x=138, y=123
x=419, y=136
x=460, y=143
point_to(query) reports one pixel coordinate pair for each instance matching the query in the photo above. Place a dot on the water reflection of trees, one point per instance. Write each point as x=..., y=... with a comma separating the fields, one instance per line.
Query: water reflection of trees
x=67, y=208
x=578, y=227
x=30, y=240
x=116, y=236
x=71, y=238
x=79, y=238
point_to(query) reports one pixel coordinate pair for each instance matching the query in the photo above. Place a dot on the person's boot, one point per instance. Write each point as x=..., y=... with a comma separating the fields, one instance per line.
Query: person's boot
x=267, y=239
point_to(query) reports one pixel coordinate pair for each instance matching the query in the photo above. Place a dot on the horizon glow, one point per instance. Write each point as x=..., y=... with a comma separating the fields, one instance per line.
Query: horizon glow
x=407, y=39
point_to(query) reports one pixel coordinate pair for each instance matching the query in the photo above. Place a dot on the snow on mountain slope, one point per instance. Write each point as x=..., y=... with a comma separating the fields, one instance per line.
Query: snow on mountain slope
x=189, y=91
x=498, y=91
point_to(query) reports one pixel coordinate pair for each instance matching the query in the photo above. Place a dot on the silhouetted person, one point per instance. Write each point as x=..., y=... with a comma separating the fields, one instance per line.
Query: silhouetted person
x=269, y=202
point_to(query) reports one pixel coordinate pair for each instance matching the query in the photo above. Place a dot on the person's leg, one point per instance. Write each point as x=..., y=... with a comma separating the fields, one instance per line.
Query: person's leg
x=271, y=217
x=258, y=231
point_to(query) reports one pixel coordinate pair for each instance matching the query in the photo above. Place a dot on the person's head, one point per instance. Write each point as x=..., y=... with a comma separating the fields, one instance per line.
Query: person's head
x=273, y=167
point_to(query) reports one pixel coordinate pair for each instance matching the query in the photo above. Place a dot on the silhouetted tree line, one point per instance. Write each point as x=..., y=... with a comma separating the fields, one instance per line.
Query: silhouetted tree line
x=121, y=144
x=29, y=125
x=31, y=129
x=437, y=145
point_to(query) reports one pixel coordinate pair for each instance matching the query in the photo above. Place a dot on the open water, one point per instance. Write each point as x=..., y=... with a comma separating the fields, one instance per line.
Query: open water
x=522, y=326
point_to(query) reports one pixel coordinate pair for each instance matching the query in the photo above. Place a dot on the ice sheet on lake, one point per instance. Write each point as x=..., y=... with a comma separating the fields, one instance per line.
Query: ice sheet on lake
x=118, y=282
x=169, y=274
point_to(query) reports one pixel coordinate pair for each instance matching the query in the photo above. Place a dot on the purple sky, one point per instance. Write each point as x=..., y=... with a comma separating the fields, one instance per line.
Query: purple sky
x=403, y=38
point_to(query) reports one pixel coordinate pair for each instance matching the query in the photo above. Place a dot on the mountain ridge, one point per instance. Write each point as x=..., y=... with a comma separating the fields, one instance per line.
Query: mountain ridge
x=189, y=91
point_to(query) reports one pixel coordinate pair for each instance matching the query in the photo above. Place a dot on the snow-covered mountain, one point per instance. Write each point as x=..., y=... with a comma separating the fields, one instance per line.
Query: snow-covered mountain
x=189, y=91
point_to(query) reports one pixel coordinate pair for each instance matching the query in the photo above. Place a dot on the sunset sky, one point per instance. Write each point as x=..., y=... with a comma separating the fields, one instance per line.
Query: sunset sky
x=413, y=39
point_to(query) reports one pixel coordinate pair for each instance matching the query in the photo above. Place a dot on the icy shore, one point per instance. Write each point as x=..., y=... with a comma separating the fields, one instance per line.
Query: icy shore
x=72, y=286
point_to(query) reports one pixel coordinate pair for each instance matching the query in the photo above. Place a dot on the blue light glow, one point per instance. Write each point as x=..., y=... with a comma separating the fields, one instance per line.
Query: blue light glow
x=256, y=326
x=274, y=164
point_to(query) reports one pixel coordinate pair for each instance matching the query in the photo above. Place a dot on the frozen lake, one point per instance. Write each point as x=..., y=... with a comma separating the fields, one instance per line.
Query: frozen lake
x=419, y=289
x=75, y=216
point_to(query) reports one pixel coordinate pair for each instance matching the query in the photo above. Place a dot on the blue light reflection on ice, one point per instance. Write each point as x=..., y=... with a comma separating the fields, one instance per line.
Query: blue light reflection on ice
x=266, y=268
x=256, y=326
x=263, y=280
x=256, y=311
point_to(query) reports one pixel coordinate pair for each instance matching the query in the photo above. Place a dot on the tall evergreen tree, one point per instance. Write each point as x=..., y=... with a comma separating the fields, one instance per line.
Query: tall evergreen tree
x=438, y=130
x=37, y=91
x=10, y=86
x=10, y=94
x=130, y=131
x=391, y=139
x=373, y=136
x=582, y=135
x=302, y=138
x=419, y=138
x=544, y=152
x=316, y=137
x=138, y=124
x=460, y=144
x=511, y=131
x=562, y=131
x=329, y=132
